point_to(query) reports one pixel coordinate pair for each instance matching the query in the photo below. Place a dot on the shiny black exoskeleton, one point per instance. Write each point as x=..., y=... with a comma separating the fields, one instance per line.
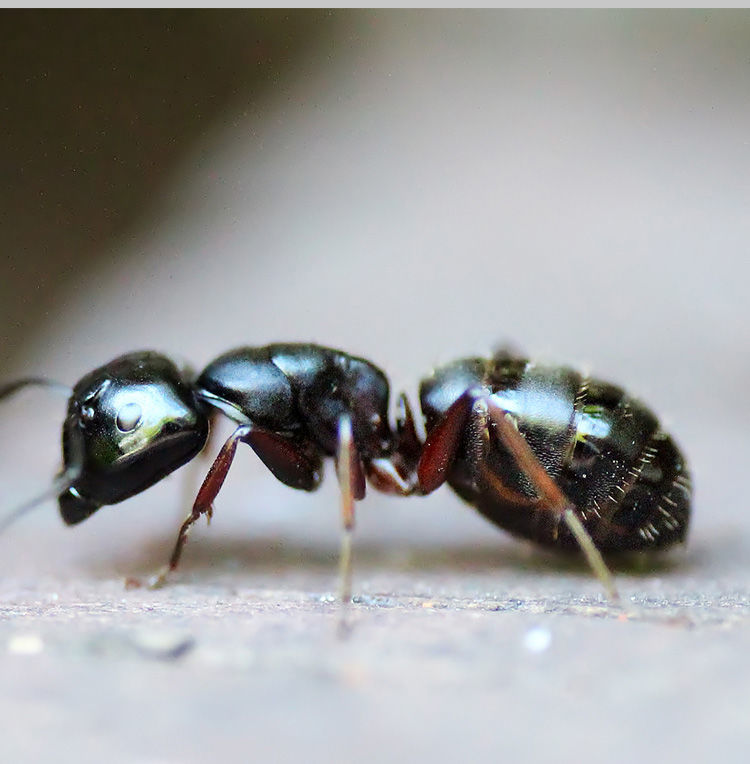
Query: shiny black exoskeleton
x=615, y=468
x=129, y=424
x=542, y=451
x=138, y=418
x=303, y=391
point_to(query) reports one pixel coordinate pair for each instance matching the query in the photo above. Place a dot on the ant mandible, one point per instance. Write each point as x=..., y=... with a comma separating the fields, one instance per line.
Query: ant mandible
x=563, y=460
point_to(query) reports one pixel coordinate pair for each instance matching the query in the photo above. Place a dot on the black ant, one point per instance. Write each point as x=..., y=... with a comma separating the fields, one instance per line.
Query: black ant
x=557, y=458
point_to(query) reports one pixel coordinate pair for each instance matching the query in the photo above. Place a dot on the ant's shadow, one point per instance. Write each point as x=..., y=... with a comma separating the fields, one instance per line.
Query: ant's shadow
x=259, y=555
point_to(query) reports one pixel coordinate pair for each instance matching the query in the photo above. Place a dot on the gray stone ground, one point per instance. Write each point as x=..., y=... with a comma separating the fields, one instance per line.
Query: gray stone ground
x=411, y=187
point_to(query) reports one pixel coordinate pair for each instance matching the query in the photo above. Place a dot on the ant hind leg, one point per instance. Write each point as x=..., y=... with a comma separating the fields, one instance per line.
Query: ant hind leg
x=549, y=493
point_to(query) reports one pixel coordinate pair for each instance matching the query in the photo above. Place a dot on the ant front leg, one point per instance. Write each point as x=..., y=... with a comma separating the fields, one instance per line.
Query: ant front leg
x=394, y=473
x=203, y=503
x=193, y=471
x=295, y=463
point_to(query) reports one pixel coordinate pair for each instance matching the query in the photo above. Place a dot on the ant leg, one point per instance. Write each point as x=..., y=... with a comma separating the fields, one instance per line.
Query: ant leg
x=293, y=463
x=396, y=473
x=442, y=443
x=203, y=503
x=352, y=485
x=198, y=466
x=549, y=493
x=408, y=443
x=440, y=450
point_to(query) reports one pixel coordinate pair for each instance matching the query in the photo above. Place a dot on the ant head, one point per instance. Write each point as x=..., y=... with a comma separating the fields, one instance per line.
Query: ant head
x=129, y=424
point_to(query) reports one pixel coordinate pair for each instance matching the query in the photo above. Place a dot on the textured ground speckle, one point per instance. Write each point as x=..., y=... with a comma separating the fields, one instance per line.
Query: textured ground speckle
x=447, y=652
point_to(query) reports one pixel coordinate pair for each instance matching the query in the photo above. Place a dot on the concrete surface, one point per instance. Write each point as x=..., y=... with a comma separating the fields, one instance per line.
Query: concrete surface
x=411, y=187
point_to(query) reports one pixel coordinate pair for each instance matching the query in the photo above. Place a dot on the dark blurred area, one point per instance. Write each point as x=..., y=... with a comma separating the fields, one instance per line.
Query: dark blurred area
x=97, y=109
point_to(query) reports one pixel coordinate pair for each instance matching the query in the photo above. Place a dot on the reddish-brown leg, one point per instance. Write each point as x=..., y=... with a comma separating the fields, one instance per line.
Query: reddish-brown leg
x=408, y=443
x=203, y=503
x=397, y=473
x=292, y=463
x=442, y=443
x=445, y=438
x=195, y=469
x=389, y=475
x=550, y=496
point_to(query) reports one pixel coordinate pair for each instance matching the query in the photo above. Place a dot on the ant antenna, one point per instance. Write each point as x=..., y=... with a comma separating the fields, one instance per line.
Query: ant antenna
x=60, y=484
x=65, y=479
x=11, y=388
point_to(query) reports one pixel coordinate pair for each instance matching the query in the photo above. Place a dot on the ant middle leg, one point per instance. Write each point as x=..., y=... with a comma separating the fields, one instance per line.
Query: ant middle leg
x=352, y=487
x=394, y=473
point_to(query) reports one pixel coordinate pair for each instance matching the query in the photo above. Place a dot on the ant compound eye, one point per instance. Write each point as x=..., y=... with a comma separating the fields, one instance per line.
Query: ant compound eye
x=129, y=417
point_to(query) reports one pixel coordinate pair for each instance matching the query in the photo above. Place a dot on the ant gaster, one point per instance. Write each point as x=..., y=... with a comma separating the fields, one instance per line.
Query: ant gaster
x=543, y=452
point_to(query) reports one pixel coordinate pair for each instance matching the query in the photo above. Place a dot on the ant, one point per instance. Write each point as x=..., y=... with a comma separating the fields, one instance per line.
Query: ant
x=544, y=452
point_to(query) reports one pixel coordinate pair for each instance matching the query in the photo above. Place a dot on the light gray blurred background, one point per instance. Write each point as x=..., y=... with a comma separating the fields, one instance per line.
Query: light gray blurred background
x=411, y=187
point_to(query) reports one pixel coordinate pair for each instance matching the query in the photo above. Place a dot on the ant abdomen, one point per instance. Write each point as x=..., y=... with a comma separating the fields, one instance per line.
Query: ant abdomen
x=600, y=448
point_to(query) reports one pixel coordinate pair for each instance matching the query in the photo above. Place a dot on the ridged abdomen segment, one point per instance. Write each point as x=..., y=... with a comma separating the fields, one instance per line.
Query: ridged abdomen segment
x=625, y=476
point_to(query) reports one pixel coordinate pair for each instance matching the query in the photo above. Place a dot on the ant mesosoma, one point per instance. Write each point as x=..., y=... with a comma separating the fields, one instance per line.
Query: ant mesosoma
x=552, y=456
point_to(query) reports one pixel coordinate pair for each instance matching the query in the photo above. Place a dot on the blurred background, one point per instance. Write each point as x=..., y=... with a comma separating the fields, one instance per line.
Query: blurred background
x=410, y=186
